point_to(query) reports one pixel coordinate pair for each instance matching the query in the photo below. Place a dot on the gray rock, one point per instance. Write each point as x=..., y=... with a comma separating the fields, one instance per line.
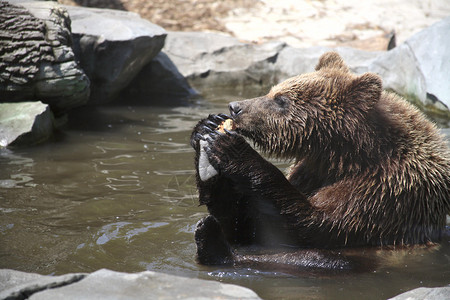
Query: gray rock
x=159, y=82
x=217, y=63
x=37, y=61
x=25, y=123
x=106, y=284
x=437, y=293
x=214, y=63
x=400, y=73
x=11, y=278
x=294, y=61
x=431, y=49
x=20, y=285
x=112, y=47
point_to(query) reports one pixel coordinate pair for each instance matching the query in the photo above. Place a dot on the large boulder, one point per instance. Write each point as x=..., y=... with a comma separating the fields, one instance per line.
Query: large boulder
x=106, y=284
x=294, y=61
x=431, y=50
x=36, y=60
x=25, y=123
x=400, y=73
x=112, y=47
x=218, y=63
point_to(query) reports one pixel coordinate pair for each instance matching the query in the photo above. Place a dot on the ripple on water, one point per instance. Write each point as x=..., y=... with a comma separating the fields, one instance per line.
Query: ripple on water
x=166, y=146
x=18, y=180
x=124, y=230
x=125, y=183
x=118, y=171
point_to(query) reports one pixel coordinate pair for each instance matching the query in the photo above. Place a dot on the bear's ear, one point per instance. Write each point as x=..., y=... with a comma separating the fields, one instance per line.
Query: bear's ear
x=331, y=60
x=365, y=90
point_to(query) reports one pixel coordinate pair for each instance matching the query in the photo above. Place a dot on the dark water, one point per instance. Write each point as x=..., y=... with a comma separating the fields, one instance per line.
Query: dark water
x=117, y=191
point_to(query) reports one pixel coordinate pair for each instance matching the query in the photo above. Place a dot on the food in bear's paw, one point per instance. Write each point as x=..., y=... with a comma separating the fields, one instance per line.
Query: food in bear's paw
x=205, y=169
x=228, y=124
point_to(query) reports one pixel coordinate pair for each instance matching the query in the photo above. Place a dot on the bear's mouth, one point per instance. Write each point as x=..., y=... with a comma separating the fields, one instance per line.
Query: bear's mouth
x=255, y=137
x=237, y=128
x=242, y=129
x=246, y=129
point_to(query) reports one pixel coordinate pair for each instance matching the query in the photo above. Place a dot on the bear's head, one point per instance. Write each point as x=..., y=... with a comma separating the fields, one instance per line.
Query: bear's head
x=309, y=111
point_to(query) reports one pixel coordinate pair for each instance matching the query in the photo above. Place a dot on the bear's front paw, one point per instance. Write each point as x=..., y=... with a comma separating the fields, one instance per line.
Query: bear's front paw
x=205, y=127
x=227, y=151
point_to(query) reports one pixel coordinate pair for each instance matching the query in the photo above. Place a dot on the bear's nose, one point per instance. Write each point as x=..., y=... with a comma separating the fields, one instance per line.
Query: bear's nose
x=235, y=109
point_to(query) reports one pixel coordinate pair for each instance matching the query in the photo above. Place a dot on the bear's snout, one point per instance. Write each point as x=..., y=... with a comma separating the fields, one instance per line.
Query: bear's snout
x=235, y=109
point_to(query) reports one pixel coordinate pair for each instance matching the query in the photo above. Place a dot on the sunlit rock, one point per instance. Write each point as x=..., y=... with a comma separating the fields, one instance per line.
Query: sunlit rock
x=217, y=63
x=221, y=64
x=106, y=284
x=21, y=285
x=25, y=123
x=436, y=293
x=37, y=61
x=431, y=49
x=112, y=47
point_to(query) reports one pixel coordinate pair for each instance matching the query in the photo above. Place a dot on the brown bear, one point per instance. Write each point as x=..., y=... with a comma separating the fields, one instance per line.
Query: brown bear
x=369, y=169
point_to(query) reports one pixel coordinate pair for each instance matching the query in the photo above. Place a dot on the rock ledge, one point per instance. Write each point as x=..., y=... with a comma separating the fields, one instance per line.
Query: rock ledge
x=107, y=284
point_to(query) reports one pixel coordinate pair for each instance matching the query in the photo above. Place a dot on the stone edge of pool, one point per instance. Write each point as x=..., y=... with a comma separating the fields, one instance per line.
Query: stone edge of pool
x=107, y=284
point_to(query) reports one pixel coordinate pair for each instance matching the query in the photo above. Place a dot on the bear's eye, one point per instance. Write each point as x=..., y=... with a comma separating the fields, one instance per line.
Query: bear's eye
x=281, y=100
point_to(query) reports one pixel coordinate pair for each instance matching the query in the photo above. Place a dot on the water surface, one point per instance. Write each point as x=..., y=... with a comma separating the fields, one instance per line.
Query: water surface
x=116, y=190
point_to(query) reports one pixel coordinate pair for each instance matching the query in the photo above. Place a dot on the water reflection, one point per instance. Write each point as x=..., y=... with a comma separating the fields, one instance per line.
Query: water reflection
x=124, y=230
x=18, y=180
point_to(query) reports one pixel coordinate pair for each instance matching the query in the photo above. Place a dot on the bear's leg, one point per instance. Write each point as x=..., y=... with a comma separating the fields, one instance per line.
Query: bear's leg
x=212, y=247
x=303, y=260
x=228, y=205
x=268, y=208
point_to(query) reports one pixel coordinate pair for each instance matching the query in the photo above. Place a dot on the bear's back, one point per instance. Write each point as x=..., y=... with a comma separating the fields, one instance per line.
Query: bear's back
x=400, y=191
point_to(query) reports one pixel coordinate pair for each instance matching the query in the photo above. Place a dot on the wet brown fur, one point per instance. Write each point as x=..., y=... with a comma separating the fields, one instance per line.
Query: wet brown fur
x=372, y=168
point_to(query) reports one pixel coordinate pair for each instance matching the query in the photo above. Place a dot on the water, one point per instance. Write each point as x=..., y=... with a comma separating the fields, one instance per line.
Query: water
x=116, y=190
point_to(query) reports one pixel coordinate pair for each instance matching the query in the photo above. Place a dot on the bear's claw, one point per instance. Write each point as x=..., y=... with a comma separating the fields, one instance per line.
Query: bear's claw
x=206, y=126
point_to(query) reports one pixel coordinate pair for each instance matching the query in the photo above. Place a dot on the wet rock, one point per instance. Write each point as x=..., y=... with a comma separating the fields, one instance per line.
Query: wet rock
x=159, y=82
x=37, y=61
x=112, y=47
x=437, y=293
x=218, y=63
x=25, y=123
x=106, y=284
